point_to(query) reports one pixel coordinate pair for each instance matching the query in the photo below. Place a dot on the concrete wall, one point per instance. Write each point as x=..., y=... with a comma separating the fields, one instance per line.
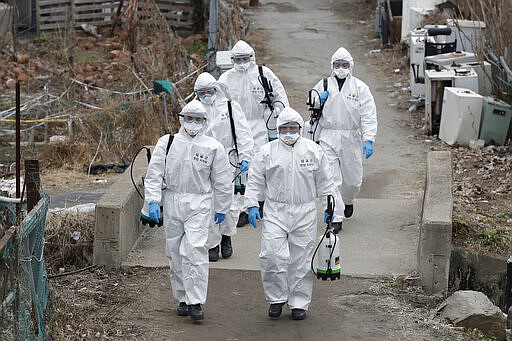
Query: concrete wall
x=485, y=273
x=118, y=217
x=435, y=241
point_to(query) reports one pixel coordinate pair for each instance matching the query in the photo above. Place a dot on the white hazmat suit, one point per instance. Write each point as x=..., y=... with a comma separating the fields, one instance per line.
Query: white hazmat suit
x=219, y=127
x=198, y=183
x=246, y=89
x=349, y=118
x=289, y=178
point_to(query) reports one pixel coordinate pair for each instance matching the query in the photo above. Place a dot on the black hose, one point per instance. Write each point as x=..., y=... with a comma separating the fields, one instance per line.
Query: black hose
x=148, y=154
x=271, y=114
x=326, y=233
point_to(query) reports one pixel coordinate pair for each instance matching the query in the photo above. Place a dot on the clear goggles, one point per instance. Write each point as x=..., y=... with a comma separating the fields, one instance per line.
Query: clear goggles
x=193, y=117
x=241, y=58
x=205, y=91
x=341, y=64
x=289, y=127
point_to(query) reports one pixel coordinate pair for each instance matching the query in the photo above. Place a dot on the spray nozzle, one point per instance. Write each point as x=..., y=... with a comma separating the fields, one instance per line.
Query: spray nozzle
x=330, y=208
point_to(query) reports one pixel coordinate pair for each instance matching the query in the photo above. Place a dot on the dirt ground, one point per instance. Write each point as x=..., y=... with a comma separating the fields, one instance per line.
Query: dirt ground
x=128, y=305
x=101, y=304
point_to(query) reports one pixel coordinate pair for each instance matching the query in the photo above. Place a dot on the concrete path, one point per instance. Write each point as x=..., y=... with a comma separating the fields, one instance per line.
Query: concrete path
x=381, y=238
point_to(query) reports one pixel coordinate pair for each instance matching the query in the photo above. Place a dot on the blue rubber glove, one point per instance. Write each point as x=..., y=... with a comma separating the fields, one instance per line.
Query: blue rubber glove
x=326, y=216
x=244, y=166
x=254, y=213
x=219, y=217
x=154, y=211
x=323, y=96
x=368, y=148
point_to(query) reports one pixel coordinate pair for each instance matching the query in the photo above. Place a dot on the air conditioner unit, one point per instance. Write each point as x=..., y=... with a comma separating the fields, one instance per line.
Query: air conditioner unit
x=496, y=121
x=460, y=117
x=435, y=82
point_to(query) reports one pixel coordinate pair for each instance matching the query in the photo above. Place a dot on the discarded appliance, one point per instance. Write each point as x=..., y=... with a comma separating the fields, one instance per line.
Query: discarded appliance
x=435, y=82
x=460, y=118
x=496, y=121
x=445, y=59
x=467, y=33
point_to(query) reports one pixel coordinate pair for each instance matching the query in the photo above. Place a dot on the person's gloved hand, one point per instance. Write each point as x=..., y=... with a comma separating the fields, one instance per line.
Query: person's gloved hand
x=254, y=213
x=244, y=166
x=154, y=211
x=368, y=148
x=326, y=216
x=323, y=96
x=219, y=217
x=336, y=227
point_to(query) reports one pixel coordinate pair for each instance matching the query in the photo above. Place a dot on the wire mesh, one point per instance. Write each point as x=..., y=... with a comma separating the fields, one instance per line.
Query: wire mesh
x=24, y=285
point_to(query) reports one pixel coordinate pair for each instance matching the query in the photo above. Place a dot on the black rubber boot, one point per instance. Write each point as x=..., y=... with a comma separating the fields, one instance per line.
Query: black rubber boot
x=243, y=219
x=298, y=314
x=226, y=248
x=349, y=210
x=213, y=254
x=275, y=310
x=196, y=312
x=182, y=309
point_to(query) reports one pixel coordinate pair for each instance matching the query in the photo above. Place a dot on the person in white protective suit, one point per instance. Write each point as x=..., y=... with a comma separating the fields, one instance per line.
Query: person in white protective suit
x=192, y=182
x=247, y=88
x=289, y=174
x=348, y=125
x=227, y=124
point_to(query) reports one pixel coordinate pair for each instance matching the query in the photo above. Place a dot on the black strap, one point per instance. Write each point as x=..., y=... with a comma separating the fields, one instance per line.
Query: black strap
x=325, y=84
x=232, y=123
x=169, y=142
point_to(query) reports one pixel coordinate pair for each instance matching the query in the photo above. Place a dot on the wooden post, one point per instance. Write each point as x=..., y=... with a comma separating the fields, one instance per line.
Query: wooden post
x=32, y=183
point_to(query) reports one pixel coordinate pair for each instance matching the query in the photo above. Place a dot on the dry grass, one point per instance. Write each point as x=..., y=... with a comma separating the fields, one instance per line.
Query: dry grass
x=68, y=240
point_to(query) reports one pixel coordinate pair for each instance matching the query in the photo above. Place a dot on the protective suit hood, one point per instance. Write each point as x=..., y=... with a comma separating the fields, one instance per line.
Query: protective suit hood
x=206, y=80
x=241, y=47
x=195, y=107
x=342, y=54
x=289, y=115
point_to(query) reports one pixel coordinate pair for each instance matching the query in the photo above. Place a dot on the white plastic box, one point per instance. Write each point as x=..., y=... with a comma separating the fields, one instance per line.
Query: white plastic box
x=461, y=115
x=223, y=60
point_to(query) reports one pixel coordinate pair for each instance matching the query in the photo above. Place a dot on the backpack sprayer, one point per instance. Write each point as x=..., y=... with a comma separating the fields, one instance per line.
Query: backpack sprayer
x=328, y=249
x=144, y=213
x=160, y=88
x=269, y=102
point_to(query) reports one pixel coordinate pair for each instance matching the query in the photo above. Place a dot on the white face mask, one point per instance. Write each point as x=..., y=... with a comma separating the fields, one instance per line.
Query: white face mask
x=341, y=73
x=207, y=99
x=289, y=138
x=192, y=128
x=241, y=66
